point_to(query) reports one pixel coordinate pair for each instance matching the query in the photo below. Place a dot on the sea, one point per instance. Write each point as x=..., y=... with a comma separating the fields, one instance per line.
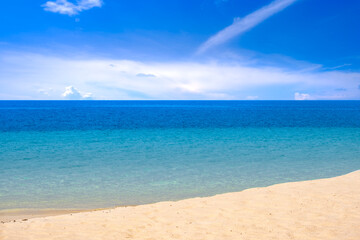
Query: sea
x=98, y=154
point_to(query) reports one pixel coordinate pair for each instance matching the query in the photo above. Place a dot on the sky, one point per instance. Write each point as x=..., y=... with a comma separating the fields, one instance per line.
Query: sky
x=180, y=50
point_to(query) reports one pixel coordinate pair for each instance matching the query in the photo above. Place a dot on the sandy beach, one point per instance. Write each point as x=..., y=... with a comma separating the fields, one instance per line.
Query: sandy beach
x=318, y=209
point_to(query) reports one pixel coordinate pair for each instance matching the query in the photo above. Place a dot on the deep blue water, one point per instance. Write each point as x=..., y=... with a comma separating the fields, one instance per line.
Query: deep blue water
x=92, y=154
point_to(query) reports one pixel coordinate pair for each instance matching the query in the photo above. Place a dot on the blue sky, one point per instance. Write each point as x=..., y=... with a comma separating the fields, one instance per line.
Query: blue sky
x=180, y=49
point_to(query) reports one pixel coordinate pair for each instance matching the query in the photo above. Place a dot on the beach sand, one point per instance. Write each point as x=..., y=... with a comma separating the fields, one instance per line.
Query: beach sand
x=319, y=209
x=19, y=214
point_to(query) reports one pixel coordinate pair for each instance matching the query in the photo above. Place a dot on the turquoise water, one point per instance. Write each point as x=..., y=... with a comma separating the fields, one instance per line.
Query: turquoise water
x=165, y=156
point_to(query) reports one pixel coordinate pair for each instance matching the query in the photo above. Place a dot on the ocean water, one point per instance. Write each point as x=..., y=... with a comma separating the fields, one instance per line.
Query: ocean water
x=95, y=154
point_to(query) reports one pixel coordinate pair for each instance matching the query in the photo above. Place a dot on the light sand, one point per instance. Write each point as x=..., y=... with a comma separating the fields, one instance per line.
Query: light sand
x=20, y=214
x=320, y=209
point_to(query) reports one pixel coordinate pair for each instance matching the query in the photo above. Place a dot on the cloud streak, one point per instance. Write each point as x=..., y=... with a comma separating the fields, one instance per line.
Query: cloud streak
x=240, y=26
x=69, y=8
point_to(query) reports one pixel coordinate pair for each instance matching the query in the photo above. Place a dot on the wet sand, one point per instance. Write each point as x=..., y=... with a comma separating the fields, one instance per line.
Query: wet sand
x=318, y=209
x=20, y=214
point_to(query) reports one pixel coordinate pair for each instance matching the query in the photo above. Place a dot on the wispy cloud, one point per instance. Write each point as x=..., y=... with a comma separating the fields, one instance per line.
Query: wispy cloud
x=252, y=97
x=69, y=8
x=145, y=75
x=339, y=66
x=174, y=80
x=242, y=25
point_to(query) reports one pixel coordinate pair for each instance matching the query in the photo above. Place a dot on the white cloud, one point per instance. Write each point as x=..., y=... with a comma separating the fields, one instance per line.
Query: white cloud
x=69, y=8
x=71, y=93
x=87, y=96
x=174, y=80
x=242, y=25
x=302, y=96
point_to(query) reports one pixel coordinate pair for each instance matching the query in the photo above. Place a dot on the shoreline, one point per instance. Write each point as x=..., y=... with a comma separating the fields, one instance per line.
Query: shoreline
x=11, y=215
x=323, y=209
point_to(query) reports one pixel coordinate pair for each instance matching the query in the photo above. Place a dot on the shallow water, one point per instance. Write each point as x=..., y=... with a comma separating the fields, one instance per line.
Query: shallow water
x=94, y=154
